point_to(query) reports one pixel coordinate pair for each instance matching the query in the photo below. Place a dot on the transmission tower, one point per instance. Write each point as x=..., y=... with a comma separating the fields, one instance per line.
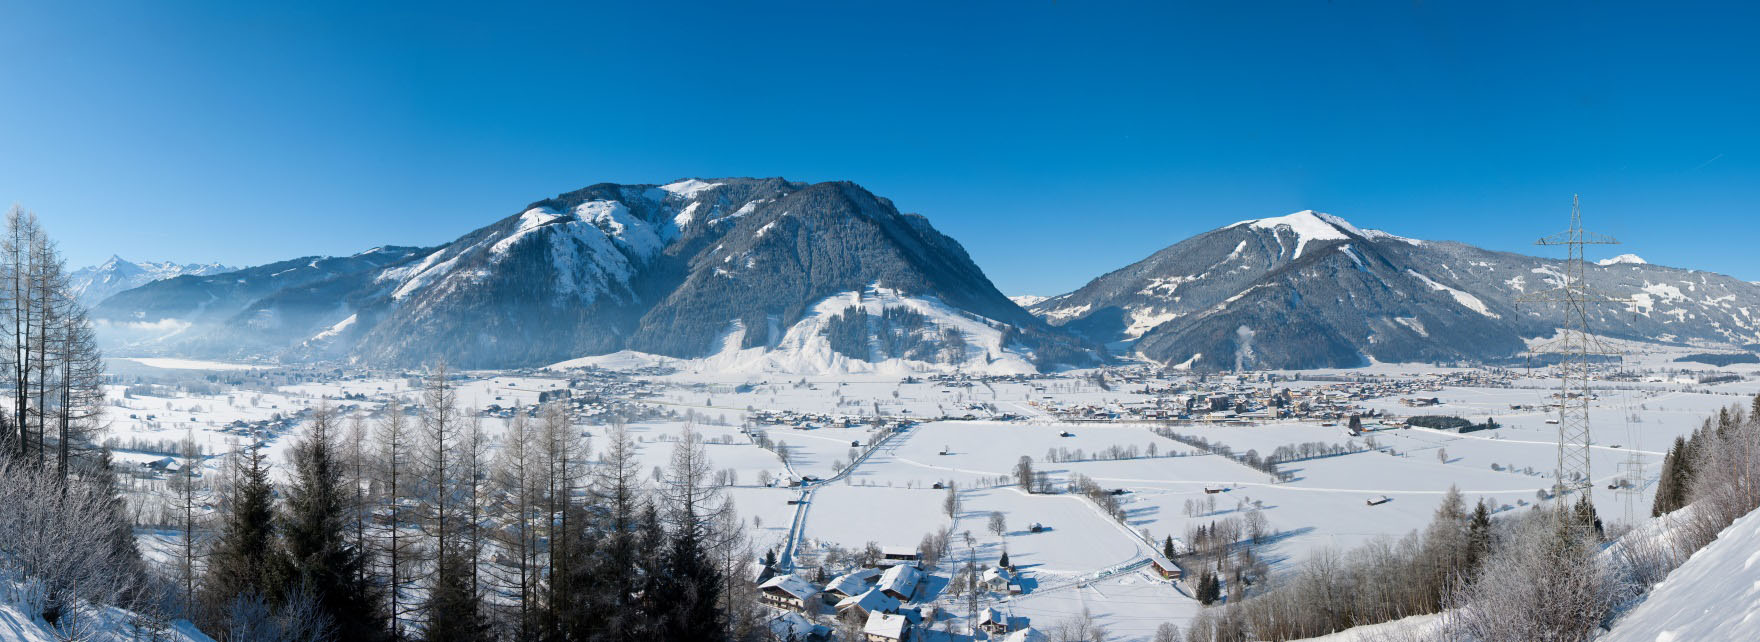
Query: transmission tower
x=1576, y=348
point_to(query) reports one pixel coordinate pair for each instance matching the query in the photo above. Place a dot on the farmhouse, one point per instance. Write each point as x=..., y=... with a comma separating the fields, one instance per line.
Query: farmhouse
x=992, y=621
x=793, y=626
x=851, y=584
x=787, y=592
x=1000, y=580
x=862, y=606
x=1165, y=568
x=890, y=555
x=900, y=582
x=887, y=627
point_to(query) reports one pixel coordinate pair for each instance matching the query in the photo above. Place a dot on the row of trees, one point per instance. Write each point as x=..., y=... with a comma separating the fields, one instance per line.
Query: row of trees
x=50, y=366
x=422, y=526
x=1384, y=580
x=67, y=547
x=1250, y=458
x=1545, y=574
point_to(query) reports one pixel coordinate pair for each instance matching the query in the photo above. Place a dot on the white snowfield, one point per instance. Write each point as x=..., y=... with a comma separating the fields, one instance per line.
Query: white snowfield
x=1081, y=558
x=1309, y=225
x=803, y=348
x=1623, y=259
x=107, y=623
x=168, y=363
x=1467, y=301
x=1715, y=595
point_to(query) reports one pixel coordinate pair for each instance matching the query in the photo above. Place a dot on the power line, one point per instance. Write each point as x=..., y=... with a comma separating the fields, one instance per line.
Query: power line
x=1577, y=350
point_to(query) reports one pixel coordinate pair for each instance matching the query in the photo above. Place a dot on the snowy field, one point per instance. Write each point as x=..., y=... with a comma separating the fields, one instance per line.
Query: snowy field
x=1080, y=558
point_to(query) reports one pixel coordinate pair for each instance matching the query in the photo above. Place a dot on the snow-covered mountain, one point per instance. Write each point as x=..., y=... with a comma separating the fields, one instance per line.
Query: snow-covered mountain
x=92, y=284
x=194, y=315
x=1632, y=259
x=690, y=269
x=1312, y=290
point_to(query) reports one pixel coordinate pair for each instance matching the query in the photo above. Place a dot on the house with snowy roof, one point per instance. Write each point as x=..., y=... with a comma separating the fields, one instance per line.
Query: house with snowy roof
x=1164, y=567
x=992, y=621
x=1000, y=580
x=892, y=555
x=860, y=607
x=887, y=627
x=788, y=592
x=851, y=584
x=795, y=627
x=900, y=581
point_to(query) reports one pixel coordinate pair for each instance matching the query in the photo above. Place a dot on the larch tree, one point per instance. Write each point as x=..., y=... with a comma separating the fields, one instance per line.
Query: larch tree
x=394, y=439
x=515, y=477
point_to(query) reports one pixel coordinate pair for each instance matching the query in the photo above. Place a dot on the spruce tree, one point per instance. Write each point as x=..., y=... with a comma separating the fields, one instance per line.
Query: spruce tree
x=1584, y=513
x=1209, y=588
x=1478, y=536
x=316, y=527
x=1665, y=501
x=693, y=581
x=244, y=557
x=454, y=610
x=1167, y=550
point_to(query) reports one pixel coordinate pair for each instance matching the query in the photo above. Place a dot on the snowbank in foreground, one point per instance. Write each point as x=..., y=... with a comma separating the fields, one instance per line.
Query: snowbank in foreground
x=1417, y=627
x=1713, y=596
x=111, y=624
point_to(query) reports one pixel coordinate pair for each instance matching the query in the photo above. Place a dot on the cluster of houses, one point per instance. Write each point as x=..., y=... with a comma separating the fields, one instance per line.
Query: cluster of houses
x=1257, y=397
x=876, y=598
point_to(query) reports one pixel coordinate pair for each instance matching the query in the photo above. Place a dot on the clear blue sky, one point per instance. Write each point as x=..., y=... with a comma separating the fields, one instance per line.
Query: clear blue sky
x=1056, y=140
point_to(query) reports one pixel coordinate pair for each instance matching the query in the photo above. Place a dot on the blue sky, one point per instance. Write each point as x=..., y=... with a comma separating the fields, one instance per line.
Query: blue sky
x=1056, y=140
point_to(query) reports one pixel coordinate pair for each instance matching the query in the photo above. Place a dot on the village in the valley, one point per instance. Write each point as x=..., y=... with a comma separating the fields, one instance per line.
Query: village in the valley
x=928, y=506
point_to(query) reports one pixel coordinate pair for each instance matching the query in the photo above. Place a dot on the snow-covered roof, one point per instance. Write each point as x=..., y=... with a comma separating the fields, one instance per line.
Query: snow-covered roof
x=792, y=625
x=1025, y=635
x=853, y=582
x=887, y=625
x=990, y=614
x=871, y=600
x=791, y=585
x=997, y=574
x=901, y=579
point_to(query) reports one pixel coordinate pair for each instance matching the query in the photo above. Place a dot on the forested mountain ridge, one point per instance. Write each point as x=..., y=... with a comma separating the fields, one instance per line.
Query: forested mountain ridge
x=687, y=269
x=1311, y=290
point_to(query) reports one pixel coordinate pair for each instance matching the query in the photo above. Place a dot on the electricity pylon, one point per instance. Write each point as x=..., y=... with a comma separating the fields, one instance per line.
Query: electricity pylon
x=1575, y=346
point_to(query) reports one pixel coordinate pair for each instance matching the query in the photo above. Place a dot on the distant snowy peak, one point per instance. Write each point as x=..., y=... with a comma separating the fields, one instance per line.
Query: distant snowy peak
x=686, y=189
x=91, y=285
x=1623, y=259
x=1026, y=300
x=1309, y=225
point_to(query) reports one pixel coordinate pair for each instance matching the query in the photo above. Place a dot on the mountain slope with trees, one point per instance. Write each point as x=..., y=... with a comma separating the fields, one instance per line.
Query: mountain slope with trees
x=1311, y=290
x=678, y=270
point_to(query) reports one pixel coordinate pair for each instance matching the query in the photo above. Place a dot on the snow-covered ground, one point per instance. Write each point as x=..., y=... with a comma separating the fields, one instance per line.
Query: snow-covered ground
x=17, y=624
x=1715, y=595
x=1080, y=558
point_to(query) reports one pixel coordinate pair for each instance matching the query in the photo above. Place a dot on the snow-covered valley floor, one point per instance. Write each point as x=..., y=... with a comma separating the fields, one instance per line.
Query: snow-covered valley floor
x=1079, y=558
